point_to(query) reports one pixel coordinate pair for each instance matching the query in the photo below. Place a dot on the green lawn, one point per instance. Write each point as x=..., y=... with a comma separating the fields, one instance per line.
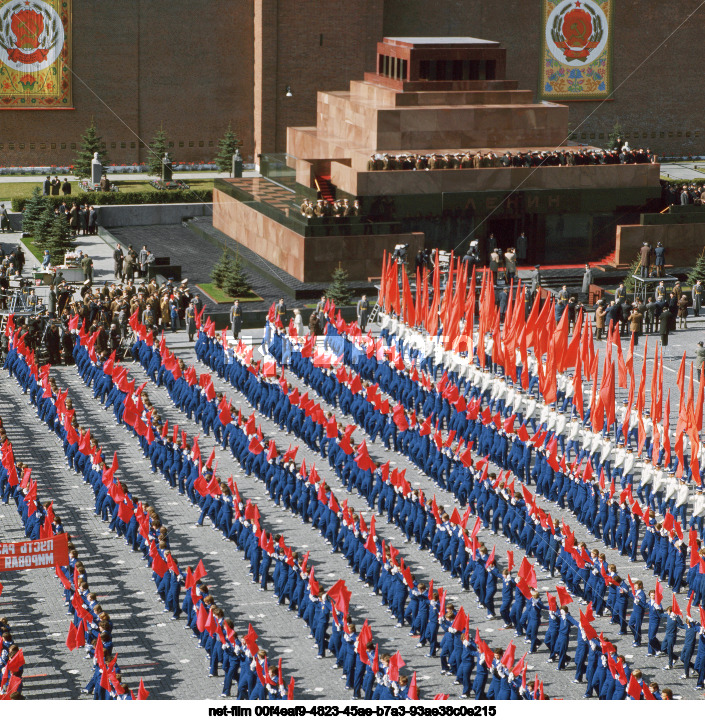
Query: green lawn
x=8, y=191
x=139, y=186
x=34, y=249
x=220, y=296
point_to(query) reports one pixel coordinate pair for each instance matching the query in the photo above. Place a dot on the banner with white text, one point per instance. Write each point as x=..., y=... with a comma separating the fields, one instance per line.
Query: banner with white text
x=27, y=555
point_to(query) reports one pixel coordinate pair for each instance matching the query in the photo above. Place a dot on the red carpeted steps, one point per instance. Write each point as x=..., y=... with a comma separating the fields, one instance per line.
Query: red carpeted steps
x=326, y=188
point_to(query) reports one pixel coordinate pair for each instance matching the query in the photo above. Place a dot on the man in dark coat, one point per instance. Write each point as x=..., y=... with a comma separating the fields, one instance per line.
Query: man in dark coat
x=673, y=310
x=236, y=319
x=587, y=279
x=18, y=259
x=535, y=279
x=660, y=260
x=118, y=257
x=503, y=303
x=664, y=326
x=653, y=312
x=363, y=310
x=645, y=255
x=92, y=220
x=614, y=315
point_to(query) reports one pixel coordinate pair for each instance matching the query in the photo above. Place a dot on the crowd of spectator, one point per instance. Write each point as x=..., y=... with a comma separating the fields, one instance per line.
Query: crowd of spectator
x=527, y=159
x=81, y=218
x=676, y=194
x=341, y=208
x=107, y=310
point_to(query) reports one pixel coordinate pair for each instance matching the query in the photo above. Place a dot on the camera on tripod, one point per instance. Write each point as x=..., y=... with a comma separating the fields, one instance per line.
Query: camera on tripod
x=400, y=253
x=473, y=252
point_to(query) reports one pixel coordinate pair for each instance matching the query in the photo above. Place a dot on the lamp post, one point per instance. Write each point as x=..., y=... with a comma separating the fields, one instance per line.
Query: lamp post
x=287, y=94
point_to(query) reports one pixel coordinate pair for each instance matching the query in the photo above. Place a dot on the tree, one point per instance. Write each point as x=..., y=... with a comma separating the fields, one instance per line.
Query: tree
x=157, y=148
x=339, y=290
x=91, y=143
x=236, y=282
x=222, y=269
x=42, y=226
x=36, y=204
x=633, y=270
x=59, y=239
x=698, y=271
x=616, y=134
x=227, y=146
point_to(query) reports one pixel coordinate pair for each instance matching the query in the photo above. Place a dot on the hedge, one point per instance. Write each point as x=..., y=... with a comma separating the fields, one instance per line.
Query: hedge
x=138, y=198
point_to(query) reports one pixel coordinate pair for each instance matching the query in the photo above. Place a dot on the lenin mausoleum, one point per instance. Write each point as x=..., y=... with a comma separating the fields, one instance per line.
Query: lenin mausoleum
x=435, y=98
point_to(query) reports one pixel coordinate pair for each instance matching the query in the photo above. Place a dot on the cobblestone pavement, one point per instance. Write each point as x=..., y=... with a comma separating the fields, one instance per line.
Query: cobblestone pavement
x=165, y=654
x=286, y=633
x=558, y=684
x=197, y=257
x=148, y=645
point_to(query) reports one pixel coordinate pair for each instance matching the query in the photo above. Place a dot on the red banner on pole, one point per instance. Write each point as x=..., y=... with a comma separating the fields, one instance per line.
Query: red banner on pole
x=26, y=555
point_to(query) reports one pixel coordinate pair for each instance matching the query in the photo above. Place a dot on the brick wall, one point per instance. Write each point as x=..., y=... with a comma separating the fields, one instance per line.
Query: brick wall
x=186, y=64
x=197, y=65
x=662, y=99
x=318, y=46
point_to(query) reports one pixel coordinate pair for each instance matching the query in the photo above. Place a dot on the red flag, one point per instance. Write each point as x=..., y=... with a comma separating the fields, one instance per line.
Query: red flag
x=71, y=638
x=634, y=689
x=658, y=593
x=313, y=583
x=250, y=639
x=16, y=662
x=520, y=666
x=460, y=620
x=508, y=657
x=490, y=558
x=396, y=662
x=564, y=598
x=142, y=693
x=413, y=688
x=200, y=571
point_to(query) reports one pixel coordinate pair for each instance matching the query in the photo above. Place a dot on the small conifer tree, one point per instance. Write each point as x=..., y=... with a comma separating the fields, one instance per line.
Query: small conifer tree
x=227, y=146
x=59, y=239
x=236, y=283
x=633, y=270
x=339, y=289
x=698, y=271
x=616, y=135
x=91, y=143
x=36, y=204
x=221, y=270
x=42, y=227
x=157, y=148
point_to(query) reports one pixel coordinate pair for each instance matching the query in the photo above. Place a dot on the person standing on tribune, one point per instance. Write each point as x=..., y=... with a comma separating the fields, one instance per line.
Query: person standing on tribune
x=236, y=319
x=363, y=308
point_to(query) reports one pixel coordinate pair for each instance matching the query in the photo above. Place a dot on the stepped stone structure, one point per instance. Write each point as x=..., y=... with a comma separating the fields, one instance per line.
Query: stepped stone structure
x=430, y=96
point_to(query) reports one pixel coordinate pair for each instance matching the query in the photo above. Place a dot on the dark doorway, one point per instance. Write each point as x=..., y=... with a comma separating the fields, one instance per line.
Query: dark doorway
x=506, y=231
